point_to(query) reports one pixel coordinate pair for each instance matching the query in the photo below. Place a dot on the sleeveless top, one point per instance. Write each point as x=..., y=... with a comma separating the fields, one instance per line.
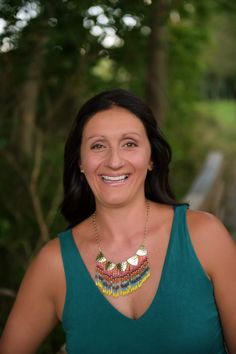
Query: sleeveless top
x=182, y=318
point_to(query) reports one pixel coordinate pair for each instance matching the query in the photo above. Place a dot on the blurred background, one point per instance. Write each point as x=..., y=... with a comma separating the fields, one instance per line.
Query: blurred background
x=180, y=56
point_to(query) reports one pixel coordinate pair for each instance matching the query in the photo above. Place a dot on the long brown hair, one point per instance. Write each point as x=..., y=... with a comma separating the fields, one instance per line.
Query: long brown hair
x=78, y=202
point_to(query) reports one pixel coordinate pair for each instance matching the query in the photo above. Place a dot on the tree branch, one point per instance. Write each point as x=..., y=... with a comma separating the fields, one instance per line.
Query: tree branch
x=54, y=204
x=33, y=188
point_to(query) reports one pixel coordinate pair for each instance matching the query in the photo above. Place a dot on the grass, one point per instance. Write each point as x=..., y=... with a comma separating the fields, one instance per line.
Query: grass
x=223, y=111
x=216, y=125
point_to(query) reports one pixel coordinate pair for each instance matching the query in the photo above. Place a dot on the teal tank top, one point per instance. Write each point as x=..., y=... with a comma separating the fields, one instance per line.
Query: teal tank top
x=182, y=318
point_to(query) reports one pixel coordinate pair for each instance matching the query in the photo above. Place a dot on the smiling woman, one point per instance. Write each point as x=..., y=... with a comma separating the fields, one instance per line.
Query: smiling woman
x=128, y=122
x=115, y=152
x=135, y=271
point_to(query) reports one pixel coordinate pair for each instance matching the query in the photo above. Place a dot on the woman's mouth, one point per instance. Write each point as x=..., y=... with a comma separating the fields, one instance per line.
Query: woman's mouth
x=114, y=179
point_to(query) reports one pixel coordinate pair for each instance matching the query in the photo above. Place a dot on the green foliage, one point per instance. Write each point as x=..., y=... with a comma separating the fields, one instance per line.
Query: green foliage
x=186, y=39
x=217, y=121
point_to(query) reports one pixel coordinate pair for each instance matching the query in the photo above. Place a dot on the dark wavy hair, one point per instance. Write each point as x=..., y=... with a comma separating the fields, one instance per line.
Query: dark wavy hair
x=78, y=201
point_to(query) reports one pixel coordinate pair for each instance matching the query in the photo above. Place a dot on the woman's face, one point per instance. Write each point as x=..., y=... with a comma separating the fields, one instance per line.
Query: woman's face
x=115, y=156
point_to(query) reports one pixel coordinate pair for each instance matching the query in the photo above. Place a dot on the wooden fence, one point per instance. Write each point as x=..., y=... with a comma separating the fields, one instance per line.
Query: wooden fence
x=207, y=190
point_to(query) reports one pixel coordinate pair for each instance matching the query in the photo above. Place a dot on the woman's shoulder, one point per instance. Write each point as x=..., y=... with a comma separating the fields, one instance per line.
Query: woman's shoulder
x=47, y=263
x=205, y=224
x=211, y=240
x=49, y=252
x=208, y=229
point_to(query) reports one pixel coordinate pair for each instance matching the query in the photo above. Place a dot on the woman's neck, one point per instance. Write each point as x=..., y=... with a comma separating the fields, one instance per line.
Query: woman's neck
x=121, y=224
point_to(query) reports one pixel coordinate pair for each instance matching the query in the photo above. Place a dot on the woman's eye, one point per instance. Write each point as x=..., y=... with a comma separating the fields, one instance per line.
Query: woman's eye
x=97, y=146
x=130, y=144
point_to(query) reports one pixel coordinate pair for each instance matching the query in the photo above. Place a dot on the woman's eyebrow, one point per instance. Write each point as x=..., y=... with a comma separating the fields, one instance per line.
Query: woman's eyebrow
x=95, y=136
x=103, y=136
x=131, y=133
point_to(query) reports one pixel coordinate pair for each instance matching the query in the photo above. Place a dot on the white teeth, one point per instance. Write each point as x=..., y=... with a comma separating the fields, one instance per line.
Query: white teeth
x=114, y=178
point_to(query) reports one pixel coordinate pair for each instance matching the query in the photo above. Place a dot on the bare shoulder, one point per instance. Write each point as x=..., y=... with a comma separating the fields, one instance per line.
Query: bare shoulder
x=205, y=225
x=42, y=272
x=211, y=240
x=47, y=266
x=49, y=254
x=47, y=258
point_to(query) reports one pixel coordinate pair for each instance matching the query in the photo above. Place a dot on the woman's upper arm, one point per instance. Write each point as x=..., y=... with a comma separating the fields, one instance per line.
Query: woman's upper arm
x=33, y=315
x=217, y=251
x=223, y=260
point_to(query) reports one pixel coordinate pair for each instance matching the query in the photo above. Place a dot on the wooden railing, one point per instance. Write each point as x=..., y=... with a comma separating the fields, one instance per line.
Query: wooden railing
x=206, y=191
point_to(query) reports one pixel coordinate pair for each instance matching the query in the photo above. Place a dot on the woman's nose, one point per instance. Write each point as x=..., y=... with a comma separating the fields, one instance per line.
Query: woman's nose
x=114, y=159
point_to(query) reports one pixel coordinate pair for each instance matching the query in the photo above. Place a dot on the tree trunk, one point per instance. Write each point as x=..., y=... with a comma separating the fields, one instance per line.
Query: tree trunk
x=28, y=100
x=156, y=71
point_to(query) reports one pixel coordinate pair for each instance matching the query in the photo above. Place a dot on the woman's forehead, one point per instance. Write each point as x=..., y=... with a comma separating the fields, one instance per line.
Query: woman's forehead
x=114, y=120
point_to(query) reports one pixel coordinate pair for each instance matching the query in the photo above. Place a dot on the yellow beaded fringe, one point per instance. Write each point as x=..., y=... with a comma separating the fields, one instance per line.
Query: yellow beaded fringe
x=122, y=292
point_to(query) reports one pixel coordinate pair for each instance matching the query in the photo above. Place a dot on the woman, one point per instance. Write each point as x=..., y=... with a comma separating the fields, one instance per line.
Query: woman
x=135, y=272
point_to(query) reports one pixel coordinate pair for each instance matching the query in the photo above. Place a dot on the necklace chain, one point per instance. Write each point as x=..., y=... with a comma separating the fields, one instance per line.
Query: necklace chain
x=145, y=226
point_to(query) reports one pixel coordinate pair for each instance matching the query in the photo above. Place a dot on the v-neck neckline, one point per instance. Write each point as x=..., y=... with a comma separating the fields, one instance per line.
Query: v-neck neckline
x=157, y=291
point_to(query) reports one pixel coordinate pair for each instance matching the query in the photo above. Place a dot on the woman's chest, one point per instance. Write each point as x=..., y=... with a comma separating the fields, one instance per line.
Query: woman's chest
x=133, y=305
x=173, y=324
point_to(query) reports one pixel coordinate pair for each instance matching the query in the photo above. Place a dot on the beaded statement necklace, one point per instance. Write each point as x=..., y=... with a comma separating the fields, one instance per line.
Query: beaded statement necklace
x=120, y=279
